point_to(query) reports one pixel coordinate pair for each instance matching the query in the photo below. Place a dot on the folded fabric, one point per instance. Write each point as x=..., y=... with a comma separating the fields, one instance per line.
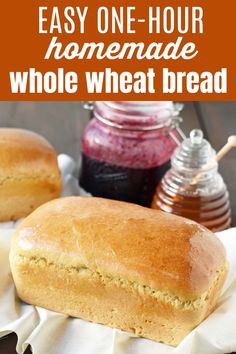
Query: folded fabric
x=50, y=332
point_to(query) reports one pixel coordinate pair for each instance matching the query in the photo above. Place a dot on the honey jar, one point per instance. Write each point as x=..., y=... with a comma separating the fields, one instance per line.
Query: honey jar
x=193, y=187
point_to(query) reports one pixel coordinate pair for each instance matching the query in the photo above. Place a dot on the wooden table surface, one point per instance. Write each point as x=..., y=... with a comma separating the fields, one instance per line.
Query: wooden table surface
x=63, y=123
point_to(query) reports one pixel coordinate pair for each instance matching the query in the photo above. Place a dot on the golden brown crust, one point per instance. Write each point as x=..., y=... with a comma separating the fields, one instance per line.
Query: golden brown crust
x=119, y=264
x=114, y=238
x=29, y=173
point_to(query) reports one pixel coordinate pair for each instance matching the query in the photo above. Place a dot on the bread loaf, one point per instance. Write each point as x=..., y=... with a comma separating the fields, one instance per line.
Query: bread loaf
x=29, y=173
x=143, y=271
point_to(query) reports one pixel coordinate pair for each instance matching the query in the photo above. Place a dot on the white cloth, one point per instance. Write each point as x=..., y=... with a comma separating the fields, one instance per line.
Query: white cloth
x=50, y=332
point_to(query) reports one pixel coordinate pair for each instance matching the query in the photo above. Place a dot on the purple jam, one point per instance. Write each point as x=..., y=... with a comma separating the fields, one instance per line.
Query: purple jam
x=133, y=185
x=124, y=163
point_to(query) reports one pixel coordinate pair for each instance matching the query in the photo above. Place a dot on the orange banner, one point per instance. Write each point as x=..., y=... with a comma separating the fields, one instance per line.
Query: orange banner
x=106, y=50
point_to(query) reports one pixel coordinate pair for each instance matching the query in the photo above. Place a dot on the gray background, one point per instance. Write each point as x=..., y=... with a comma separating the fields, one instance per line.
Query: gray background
x=62, y=123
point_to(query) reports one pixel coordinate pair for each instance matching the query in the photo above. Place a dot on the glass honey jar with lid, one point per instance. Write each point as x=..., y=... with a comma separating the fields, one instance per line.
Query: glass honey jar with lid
x=126, y=149
x=193, y=187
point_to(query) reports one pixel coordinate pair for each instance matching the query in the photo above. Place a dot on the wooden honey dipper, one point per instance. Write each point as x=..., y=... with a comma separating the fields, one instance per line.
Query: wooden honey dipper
x=231, y=143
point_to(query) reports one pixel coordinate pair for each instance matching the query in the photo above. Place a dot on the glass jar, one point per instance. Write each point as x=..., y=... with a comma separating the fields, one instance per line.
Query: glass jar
x=126, y=149
x=193, y=188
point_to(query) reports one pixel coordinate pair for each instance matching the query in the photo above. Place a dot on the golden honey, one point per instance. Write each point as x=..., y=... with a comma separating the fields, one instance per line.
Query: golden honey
x=193, y=188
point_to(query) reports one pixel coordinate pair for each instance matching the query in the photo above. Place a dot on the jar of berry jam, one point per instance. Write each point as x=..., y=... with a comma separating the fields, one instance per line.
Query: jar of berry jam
x=126, y=149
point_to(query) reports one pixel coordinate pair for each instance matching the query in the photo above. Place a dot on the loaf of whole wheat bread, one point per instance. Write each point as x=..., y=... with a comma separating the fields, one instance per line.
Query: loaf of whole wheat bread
x=29, y=173
x=122, y=265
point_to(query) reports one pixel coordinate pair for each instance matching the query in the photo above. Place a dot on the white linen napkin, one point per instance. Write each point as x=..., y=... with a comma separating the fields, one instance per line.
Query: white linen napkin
x=50, y=332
